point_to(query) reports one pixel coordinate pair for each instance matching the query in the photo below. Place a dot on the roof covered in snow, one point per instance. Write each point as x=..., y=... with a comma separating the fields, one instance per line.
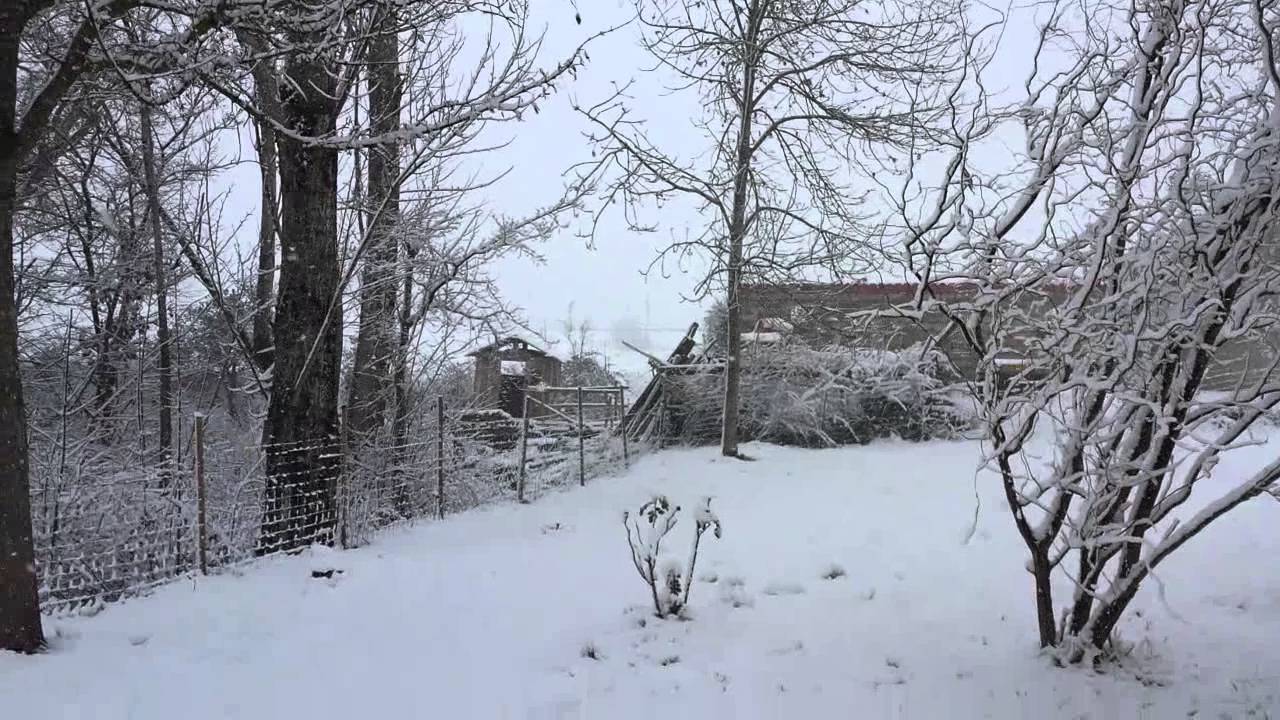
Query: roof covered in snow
x=511, y=342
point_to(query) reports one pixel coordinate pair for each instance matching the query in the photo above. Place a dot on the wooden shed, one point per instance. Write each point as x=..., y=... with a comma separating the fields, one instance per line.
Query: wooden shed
x=504, y=369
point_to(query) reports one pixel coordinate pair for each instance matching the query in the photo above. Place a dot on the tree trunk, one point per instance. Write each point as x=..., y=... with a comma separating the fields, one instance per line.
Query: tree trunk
x=375, y=339
x=1109, y=613
x=1043, y=575
x=302, y=417
x=737, y=233
x=265, y=290
x=266, y=92
x=161, y=288
x=400, y=408
x=20, y=627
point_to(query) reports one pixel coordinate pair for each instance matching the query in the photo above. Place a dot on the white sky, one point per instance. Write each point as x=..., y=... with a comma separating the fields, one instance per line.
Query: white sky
x=606, y=285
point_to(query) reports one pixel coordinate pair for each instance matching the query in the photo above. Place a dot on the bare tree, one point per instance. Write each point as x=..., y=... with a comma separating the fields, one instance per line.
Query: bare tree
x=84, y=218
x=266, y=97
x=164, y=337
x=791, y=88
x=49, y=51
x=317, y=86
x=586, y=365
x=1125, y=266
x=375, y=339
x=47, y=48
x=20, y=627
x=40, y=63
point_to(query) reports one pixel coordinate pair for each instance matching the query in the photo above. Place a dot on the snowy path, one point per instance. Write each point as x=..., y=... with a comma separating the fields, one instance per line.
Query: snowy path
x=486, y=615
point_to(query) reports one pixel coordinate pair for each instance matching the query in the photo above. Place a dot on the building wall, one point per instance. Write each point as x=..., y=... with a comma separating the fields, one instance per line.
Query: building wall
x=542, y=369
x=819, y=316
x=823, y=319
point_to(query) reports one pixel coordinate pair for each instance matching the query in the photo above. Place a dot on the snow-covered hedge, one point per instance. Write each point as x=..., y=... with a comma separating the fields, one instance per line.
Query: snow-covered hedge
x=796, y=395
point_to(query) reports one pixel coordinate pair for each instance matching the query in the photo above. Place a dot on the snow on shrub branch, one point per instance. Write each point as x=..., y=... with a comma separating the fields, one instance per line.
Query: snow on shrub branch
x=823, y=397
x=669, y=582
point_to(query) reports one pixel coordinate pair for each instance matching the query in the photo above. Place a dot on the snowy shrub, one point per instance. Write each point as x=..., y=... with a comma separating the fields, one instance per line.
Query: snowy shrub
x=796, y=395
x=833, y=571
x=1107, y=452
x=668, y=579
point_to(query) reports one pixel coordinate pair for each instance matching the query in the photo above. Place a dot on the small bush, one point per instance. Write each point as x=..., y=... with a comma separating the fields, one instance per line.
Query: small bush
x=795, y=395
x=668, y=580
x=833, y=572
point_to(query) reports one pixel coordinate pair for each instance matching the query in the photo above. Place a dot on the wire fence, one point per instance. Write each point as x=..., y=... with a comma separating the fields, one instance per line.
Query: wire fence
x=103, y=534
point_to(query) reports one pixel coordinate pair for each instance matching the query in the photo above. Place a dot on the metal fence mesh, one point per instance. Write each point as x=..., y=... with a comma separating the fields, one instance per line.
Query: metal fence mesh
x=104, y=532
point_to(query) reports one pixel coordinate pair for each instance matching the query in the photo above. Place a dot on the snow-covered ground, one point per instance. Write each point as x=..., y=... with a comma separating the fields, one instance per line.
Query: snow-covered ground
x=491, y=614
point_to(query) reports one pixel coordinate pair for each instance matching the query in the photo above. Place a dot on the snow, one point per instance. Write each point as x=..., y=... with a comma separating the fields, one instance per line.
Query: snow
x=536, y=611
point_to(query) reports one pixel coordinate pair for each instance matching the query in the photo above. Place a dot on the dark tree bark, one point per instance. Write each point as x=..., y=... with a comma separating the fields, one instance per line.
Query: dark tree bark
x=266, y=90
x=376, y=338
x=737, y=232
x=20, y=627
x=400, y=408
x=1042, y=572
x=265, y=286
x=302, y=417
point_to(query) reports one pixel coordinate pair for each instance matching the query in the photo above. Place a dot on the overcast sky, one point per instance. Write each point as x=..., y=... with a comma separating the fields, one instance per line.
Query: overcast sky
x=606, y=284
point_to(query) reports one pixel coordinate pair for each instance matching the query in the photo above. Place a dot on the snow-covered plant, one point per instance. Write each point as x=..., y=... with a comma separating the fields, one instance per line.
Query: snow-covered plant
x=821, y=397
x=703, y=520
x=1130, y=257
x=668, y=579
x=645, y=541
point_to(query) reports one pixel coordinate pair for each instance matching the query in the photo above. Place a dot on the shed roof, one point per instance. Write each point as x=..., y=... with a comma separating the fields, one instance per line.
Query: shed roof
x=509, y=342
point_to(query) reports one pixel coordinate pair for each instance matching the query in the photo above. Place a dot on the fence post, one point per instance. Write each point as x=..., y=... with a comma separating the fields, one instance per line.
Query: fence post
x=582, y=453
x=622, y=427
x=524, y=448
x=202, y=530
x=440, y=456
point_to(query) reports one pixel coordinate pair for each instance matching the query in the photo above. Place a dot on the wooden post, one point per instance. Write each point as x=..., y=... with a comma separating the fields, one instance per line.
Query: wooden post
x=622, y=428
x=524, y=448
x=582, y=451
x=202, y=530
x=440, y=456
